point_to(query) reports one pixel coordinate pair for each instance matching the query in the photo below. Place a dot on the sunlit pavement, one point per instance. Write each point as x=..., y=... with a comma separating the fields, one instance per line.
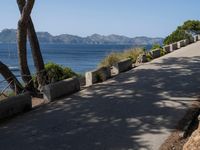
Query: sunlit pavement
x=135, y=110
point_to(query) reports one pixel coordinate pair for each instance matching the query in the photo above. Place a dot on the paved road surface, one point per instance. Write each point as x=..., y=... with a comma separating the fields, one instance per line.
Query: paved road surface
x=135, y=110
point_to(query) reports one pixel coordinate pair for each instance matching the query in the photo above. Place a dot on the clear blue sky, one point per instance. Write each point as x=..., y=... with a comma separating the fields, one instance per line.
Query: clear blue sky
x=154, y=18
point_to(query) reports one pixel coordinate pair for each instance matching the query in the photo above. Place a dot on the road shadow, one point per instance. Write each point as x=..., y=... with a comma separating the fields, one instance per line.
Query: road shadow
x=121, y=114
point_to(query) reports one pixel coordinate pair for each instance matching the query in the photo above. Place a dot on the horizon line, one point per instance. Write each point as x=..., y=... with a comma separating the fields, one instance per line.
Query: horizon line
x=88, y=35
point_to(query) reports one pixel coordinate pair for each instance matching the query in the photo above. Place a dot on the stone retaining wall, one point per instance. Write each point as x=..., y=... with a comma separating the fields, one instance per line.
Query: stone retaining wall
x=181, y=44
x=15, y=105
x=122, y=66
x=196, y=38
x=98, y=75
x=174, y=46
x=167, y=48
x=187, y=42
x=155, y=53
x=61, y=88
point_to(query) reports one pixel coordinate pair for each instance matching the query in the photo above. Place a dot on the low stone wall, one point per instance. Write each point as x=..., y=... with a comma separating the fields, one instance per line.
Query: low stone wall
x=99, y=75
x=191, y=40
x=181, y=44
x=82, y=81
x=196, y=38
x=142, y=58
x=155, y=53
x=15, y=105
x=187, y=42
x=174, y=46
x=62, y=88
x=167, y=48
x=122, y=66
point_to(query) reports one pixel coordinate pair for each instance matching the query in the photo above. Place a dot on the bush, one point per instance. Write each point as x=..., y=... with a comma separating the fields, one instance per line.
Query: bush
x=176, y=36
x=57, y=72
x=132, y=54
x=110, y=60
x=115, y=57
x=185, y=31
x=156, y=46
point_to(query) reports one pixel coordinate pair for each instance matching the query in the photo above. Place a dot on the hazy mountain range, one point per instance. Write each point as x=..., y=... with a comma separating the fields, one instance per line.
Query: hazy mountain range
x=9, y=36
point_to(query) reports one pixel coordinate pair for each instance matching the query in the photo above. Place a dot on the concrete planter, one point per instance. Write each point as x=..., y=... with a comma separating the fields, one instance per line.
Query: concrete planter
x=167, y=48
x=174, y=46
x=155, y=53
x=181, y=43
x=99, y=75
x=61, y=88
x=15, y=105
x=122, y=66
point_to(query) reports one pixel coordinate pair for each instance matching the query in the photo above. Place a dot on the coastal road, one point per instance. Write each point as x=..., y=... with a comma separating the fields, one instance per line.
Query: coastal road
x=135, y=110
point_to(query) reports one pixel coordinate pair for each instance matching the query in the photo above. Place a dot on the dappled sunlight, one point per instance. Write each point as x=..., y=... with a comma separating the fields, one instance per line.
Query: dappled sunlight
x=124, y=112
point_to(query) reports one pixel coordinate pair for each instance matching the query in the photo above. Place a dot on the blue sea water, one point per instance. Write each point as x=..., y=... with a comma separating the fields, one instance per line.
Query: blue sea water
x=80, y=58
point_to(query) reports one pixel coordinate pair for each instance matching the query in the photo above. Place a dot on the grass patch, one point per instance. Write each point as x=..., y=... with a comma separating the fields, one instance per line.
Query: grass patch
x=115, y=57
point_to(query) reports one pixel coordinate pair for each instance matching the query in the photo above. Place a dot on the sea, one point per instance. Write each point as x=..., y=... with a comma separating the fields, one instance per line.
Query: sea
x=80, y=58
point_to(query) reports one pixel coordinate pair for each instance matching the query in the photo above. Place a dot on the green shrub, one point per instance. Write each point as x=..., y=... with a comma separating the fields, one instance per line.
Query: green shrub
x=176, y=36
x=115, y=57
x=183, y=32
x=57, y=72
x=156, y=46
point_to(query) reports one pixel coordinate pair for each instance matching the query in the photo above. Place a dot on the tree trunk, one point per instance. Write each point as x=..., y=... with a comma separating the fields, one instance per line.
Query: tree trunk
x=22, y=41
x=35, y=47
x=15, y=85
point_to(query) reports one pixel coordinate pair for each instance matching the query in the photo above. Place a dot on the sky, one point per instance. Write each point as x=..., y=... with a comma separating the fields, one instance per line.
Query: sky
x=153, y=18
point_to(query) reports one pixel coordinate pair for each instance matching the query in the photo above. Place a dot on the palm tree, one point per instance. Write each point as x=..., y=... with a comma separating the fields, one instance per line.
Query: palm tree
x=11, y=79
x=35, y=47
x=22, y=41
x=26, y=27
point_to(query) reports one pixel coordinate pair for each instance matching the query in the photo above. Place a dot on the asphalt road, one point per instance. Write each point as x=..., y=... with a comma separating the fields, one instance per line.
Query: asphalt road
x=135, y=110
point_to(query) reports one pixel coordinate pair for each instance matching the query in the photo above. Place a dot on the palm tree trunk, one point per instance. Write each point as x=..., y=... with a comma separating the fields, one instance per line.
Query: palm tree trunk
x=22, y=41
x=35, y=47
x=15, y=85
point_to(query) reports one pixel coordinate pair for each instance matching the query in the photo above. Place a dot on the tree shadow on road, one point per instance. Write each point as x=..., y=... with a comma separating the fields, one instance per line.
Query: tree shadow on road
x=121, y=114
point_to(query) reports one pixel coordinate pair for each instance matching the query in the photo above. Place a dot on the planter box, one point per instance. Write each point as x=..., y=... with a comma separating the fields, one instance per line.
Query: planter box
x=155, y=53
x=15, y=105
x=61, y=88
x=99, y=75
x=181, y=43
x=167, y=48
x=174, y=46
x=122, y=66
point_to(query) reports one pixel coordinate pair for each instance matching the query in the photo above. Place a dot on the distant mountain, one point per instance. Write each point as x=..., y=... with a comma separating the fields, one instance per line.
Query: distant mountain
x=9, y=36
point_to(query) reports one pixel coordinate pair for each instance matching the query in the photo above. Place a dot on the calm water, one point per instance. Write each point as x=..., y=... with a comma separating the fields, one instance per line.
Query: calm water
x=80, y=58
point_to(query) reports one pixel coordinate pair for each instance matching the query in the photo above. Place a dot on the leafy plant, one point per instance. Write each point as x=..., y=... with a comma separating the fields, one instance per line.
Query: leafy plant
x=57, y=72
x=183, y=32
x=156, y=46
